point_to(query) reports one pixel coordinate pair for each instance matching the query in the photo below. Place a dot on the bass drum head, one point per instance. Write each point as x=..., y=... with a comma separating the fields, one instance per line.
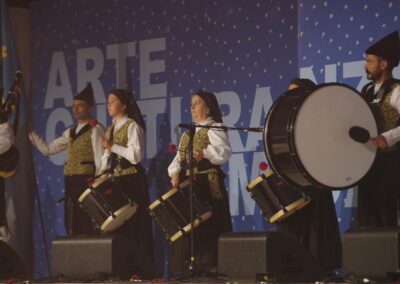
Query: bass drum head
x=321, y=136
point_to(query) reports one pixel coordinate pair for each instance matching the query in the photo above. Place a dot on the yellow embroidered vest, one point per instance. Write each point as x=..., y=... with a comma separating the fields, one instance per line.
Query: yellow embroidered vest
x=120, y=137
x=387, y=116
x=200, y=142
x=80, y=157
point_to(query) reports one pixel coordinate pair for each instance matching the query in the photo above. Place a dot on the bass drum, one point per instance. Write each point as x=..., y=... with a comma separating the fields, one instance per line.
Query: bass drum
x=307, y=141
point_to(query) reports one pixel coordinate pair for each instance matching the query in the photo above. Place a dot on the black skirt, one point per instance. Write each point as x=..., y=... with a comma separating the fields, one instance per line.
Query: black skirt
x=139, y=227
x=206, y=235
x=315, y=227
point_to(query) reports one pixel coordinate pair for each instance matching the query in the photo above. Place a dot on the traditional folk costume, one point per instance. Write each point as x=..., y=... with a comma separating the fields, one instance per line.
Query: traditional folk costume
x=84, y=152
x=123, y=163
x=379, y=191
x=315, y=226
x=208, y=186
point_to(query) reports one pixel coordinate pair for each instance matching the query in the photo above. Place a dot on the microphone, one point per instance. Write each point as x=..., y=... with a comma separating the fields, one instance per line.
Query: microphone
x=359, y=134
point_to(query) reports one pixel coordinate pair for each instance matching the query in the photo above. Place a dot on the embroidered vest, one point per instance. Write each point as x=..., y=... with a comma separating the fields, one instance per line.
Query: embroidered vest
x=120, y=137
x=80, y=157
x=200, y=142
x=387, y=117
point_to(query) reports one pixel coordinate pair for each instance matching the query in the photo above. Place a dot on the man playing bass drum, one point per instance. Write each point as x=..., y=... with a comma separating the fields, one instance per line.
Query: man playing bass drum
x=379, y=191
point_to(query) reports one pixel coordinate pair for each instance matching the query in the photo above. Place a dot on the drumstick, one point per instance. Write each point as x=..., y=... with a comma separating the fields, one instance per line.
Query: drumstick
x=93, y=122
x=172, y=148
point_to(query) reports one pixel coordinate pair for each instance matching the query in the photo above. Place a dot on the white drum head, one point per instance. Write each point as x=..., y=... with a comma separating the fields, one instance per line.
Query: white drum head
x=321, y=136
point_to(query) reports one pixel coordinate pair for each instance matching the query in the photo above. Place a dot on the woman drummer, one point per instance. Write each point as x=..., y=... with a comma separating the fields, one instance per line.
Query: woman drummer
x=211, y=149
x=315, y=226
x=124, y=150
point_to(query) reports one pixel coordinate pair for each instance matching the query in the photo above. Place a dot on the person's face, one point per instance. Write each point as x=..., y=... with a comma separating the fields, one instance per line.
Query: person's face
x=114, y=106
x=81, y=109
x=199, y=109
x=293, y=86
x=374, y=67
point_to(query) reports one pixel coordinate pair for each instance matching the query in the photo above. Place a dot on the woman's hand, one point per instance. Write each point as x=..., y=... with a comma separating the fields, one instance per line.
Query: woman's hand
x=175, y=180
x=104, y=176
x=106, y=144
x=198, y=155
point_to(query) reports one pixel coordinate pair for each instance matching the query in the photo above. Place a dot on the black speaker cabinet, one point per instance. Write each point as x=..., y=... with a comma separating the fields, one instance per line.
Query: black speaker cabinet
x=372, y=253
x=99, y=257
x=11, y=265
x=265, y=256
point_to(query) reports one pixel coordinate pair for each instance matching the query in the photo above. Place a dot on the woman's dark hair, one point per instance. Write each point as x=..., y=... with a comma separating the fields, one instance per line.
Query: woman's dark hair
x=211, y=101
x=132, y=109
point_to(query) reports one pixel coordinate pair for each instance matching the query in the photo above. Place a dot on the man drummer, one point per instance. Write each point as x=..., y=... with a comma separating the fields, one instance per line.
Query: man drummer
x=84, y=152
x=378, y=192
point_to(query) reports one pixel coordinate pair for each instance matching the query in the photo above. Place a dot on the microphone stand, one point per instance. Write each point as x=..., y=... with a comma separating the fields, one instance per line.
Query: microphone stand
x=192, y=130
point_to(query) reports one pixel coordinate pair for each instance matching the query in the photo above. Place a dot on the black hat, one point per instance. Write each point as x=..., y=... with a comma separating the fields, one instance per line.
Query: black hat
x=305, y=84
x=211, y=101
x=388, y=48
x=86, y=94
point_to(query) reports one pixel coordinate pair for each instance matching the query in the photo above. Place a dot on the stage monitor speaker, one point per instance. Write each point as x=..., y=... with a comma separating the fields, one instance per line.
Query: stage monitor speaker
x=99, y=257
x=372, y=253
x=265, y=256
x=11, y=265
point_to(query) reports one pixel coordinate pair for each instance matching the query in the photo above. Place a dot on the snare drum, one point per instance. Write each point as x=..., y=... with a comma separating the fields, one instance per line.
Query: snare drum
x=276, y=199
x=307, y=141
x=172, y=212
x=107, y=205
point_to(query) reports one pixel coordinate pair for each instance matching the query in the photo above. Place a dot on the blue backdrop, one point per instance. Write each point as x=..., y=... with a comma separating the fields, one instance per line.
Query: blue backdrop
x=165, y=51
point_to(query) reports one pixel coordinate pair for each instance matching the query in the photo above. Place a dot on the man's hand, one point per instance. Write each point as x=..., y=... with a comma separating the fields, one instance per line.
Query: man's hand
x=380, y=141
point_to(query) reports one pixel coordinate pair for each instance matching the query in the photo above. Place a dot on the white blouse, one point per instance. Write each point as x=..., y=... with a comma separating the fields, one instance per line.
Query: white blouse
x=218, y=152
x=6, y=137
x=61, y=143
x=134, y=152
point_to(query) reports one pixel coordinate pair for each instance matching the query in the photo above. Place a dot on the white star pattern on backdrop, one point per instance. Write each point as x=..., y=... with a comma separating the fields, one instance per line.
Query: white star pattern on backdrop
x=212, y=45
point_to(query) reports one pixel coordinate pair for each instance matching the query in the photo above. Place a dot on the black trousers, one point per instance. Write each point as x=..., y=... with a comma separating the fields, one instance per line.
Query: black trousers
x=76, y=220
x=379, y=191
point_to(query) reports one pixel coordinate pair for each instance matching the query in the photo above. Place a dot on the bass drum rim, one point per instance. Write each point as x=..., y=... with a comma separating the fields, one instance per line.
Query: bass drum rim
x=291, y=124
